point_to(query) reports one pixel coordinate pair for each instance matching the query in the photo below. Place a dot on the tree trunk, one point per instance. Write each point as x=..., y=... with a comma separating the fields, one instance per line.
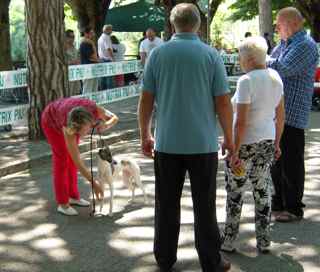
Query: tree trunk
x=85, y=12
x=315, y=29
x=204, y=28
x=265, y=17
x=214, y=5
x=90, y=13
x=311, y=11
x=46, y=65
x=5, y=48
x=168, y=31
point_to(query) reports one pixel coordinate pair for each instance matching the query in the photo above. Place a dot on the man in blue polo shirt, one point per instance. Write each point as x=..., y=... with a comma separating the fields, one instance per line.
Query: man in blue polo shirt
x=187, y=81
x=295, y=59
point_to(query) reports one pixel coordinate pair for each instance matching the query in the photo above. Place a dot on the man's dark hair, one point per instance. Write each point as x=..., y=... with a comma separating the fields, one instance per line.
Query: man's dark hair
x=247, y=34
x=69, y=33
x=114, y=39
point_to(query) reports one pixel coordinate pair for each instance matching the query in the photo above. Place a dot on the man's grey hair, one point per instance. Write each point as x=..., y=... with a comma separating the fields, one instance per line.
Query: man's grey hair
x=106, y=28
x=291, y=14
x=185, y=17
x=254, y=48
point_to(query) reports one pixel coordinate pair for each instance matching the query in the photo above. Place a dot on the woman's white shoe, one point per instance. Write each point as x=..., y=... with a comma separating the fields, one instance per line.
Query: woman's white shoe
x=67, y=211
x=79, y=202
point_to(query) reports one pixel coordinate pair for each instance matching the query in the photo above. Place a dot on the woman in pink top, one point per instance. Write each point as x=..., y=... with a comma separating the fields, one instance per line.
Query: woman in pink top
x=63, y=122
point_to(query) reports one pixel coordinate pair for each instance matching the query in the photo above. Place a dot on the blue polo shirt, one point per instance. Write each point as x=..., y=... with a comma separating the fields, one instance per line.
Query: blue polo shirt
x=185, y=75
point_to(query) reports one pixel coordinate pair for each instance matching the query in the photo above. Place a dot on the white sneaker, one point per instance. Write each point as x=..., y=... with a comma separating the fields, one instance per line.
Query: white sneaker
x=67, y=211
x=79, y=202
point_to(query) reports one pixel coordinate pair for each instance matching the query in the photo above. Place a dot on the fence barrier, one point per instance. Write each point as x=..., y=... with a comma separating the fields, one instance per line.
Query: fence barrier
x=16, y=79
x=14, y=114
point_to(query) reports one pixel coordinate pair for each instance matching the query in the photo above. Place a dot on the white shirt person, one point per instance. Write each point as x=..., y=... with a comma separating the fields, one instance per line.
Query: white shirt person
x=148, y=44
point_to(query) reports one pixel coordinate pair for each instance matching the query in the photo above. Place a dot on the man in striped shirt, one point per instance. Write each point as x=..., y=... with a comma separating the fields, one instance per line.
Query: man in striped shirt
x=295, y=59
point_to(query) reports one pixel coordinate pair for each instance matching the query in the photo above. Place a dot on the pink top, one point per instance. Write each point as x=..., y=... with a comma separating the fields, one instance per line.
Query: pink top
x=55, y=114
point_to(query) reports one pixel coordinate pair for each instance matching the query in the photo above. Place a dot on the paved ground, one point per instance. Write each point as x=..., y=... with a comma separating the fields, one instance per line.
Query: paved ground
x=33, y=237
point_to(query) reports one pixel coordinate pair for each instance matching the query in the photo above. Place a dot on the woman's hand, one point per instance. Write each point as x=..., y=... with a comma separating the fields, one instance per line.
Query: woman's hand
x=108, y=119
x=98, y=190
x=237, y=166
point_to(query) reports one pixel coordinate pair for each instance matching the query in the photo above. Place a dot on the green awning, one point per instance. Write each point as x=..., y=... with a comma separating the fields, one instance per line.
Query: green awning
x=136, y=17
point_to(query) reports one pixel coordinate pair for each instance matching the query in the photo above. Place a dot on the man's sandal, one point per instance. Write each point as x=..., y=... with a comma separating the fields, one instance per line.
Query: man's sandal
x=286, y=217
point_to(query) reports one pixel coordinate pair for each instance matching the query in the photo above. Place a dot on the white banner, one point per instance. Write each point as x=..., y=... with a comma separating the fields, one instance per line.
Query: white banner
x=15, y=79
x=112, y=95
x=14, y=114
x=230, y=58
x=78, y=72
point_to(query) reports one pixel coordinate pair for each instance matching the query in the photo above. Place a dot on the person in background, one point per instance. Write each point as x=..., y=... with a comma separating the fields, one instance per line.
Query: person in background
x=295, y=58
x=64, y=122
x=72, y=57
x=105, y=53
x=88, y=55
x=187, y=81
x=119, y=50
x=139, y=43
x=247, y=34
x=148, y=44
x=258, y=125
x=220, y=49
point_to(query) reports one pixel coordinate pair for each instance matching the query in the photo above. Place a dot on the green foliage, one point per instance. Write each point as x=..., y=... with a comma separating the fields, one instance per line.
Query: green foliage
x=224, y=33
x=17, y=30
x=131, y=41
x=247, y=9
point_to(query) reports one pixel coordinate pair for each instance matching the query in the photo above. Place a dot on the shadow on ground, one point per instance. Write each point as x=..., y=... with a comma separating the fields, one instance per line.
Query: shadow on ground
x=33, y=237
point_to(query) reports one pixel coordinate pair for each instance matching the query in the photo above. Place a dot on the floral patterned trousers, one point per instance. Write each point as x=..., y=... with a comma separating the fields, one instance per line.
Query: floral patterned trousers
x=257, y=158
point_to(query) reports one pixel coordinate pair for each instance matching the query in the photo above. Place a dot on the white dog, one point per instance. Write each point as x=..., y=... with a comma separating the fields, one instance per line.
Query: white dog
x=131, y=177
x=109, y=170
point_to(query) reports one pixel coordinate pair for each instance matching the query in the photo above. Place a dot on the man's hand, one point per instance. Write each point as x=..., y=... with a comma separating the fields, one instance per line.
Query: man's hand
x=227, y=149
x=147, y=146
x=277, y=152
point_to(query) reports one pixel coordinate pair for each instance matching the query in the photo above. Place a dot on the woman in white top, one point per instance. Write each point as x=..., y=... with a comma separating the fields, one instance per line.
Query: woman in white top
x=258, y=124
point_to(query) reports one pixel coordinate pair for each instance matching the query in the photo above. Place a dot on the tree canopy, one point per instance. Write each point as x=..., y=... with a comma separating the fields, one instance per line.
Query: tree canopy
x=310, y=9
x=247, y=9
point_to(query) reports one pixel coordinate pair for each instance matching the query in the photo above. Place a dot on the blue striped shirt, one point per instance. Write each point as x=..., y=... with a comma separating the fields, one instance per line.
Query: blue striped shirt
x=296, y=60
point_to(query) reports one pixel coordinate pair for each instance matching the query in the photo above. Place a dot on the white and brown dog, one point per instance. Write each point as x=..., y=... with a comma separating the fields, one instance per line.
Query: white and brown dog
x=109, y=170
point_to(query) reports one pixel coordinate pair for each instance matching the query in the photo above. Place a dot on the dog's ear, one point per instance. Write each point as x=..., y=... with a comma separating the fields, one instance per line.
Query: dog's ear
x=107, y=148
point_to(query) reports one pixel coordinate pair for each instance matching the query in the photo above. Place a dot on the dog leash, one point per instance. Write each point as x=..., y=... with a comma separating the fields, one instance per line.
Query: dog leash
x=91, y=168
x=100, y=144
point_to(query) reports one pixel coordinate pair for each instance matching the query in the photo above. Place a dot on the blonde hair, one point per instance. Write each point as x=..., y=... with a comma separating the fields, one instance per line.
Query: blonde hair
x=254, y=48
x=78, y=117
